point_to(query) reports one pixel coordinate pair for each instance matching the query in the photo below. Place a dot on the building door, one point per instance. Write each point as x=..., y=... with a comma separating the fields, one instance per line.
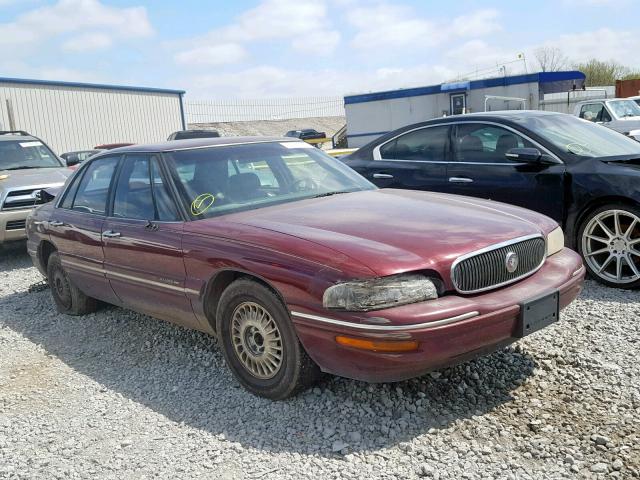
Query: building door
x=458, y=103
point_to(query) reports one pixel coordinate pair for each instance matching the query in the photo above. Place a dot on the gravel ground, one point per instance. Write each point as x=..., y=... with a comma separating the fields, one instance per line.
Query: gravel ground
x=120, y=395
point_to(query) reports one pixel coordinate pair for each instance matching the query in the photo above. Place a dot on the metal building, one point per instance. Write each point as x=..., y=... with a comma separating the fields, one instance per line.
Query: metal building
x=370, y=115
x=76, y=116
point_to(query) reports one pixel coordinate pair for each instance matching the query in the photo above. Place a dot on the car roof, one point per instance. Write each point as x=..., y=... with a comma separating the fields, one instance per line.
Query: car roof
x=28, y=138
x=190, y=143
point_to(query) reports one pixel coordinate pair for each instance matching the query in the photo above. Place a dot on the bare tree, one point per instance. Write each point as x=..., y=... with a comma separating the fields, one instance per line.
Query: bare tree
x=551, y=59
x=602, y=73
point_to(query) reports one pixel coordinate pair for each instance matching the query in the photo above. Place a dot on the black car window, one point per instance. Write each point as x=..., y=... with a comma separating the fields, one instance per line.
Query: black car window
x=426, y=144
x=133, y=198
x=165, y=205
x=482, y=143
x=70, y=191
x=94, y=187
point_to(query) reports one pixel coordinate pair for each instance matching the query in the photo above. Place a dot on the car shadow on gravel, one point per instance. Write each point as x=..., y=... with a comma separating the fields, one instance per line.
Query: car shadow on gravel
x=181, y=374
x=14, y=255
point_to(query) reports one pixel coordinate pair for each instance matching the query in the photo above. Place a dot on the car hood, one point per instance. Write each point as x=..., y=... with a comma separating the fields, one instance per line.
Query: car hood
x=36, y=177
x=625, y=124
x=392, y=231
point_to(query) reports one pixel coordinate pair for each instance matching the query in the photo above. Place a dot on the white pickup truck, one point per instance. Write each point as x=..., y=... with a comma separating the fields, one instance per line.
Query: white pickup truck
x=619, y=114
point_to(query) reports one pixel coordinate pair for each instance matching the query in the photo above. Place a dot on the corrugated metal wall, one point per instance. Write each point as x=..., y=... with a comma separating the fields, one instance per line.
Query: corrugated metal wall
x=76, y=118
x=239, y=110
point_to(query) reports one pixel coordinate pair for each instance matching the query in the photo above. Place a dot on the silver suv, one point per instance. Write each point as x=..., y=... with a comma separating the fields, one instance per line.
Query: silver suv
x=27, y=166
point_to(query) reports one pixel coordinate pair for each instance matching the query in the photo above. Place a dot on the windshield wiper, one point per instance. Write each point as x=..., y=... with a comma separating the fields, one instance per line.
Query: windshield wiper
x=328, y=194
x=21, y=168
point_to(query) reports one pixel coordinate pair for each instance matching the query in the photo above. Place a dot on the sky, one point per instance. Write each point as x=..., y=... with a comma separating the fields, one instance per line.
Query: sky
x=287, y=48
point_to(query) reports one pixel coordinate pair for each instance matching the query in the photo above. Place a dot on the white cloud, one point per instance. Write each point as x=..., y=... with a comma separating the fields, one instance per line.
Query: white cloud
x=212, y=55
x=391, y=26
x=388, y=26
x=481, y=22
x=603, y=44
x=88, y=42
x=106, y=24
x=303, y=24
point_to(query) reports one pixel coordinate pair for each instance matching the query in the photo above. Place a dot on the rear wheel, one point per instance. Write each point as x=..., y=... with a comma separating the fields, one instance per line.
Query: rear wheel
x=67, y=297
x=259, y=342
x=609, y=242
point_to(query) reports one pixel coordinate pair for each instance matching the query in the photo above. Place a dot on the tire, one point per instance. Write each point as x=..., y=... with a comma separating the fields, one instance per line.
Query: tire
x=609, y=242
x=67, y=297
x=254, y=329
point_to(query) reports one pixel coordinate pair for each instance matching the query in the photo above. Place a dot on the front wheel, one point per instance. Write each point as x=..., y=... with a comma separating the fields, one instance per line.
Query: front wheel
x=67, y=297
x=609, y=242
x=259, y=342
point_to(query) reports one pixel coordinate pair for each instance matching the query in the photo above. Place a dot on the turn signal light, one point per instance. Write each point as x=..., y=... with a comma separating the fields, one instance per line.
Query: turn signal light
x=378, y=345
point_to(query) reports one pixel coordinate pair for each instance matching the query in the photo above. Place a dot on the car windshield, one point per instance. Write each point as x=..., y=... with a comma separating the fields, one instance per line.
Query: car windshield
x=23, y=154
x=219, y=180
x=580, y=138
x=624, y=108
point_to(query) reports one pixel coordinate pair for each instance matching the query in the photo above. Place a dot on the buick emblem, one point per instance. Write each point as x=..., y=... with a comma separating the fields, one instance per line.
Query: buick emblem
x=511, y=262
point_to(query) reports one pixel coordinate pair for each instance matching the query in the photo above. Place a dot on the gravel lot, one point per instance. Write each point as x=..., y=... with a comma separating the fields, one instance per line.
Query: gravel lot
x=120, y=395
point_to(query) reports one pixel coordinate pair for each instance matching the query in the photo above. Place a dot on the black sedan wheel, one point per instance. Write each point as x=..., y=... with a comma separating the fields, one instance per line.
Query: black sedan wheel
x=610, y=245
x=260, y=344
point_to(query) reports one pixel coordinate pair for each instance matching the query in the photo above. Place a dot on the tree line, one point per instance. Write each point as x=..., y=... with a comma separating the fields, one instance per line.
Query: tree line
x=598, y=72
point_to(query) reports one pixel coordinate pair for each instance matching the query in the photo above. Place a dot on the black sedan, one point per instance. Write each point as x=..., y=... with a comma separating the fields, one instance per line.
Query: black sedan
x=583, y=175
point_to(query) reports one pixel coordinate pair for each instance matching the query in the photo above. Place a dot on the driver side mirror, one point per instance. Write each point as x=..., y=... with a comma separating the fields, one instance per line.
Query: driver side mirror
x=72, y=160
x=530, y=155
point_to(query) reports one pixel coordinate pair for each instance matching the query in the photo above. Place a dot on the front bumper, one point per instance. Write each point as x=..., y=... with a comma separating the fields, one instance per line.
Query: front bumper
x=451, y=329
x=12, y=224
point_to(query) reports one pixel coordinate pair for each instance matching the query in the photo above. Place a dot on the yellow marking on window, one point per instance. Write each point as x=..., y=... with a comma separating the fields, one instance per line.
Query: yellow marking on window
x=202, y=203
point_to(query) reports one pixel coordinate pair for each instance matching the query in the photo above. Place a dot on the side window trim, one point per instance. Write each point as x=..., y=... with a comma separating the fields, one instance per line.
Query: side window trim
x=79, y=177
x=74, y=183
x=172, y=188
x=543, y=149
x=448, y=146
x=165, y=181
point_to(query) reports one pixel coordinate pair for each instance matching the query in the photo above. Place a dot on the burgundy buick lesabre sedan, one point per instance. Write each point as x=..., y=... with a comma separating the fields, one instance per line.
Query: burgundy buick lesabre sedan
x=298, y=264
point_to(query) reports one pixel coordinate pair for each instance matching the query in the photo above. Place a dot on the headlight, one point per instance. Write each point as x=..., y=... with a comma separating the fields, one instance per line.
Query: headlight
x=377, y=293
x=555, y=241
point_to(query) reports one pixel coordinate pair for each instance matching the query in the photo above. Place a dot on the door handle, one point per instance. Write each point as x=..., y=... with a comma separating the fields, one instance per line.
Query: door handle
x=151, y=226
x=460, y=180
x=382, y=175
x=56, y=223
x=111, y=234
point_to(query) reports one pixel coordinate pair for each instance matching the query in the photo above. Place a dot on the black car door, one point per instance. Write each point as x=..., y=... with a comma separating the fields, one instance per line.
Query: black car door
x=479, y=168
x=415, y=160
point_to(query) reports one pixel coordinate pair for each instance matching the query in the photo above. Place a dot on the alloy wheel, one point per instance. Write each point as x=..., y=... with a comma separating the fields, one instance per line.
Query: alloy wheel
x=611, y=246
x=256, y=340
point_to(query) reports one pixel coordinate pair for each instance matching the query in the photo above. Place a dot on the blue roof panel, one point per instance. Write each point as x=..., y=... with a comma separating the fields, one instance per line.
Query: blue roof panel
x=540, y=77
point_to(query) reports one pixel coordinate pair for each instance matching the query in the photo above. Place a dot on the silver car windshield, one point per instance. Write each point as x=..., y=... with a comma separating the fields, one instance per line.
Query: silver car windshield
x=580, y=137
x=226, y=179
x=23, y=154
x=624, y=108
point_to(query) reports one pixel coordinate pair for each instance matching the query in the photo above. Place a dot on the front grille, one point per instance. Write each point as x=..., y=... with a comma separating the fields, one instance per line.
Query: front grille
x=487, y=268
x=16, y=225
x=18, y=199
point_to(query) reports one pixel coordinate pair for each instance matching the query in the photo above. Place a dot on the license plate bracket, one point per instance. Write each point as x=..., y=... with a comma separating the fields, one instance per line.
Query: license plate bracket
x=537, y=313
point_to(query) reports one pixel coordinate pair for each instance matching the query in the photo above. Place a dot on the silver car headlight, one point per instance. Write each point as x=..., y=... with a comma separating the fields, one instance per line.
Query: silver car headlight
x=378, y=293
x=555, y=241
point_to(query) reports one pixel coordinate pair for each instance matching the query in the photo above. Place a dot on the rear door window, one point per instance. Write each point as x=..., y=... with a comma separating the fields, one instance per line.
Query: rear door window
x=93, y=189
x=424, y=144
